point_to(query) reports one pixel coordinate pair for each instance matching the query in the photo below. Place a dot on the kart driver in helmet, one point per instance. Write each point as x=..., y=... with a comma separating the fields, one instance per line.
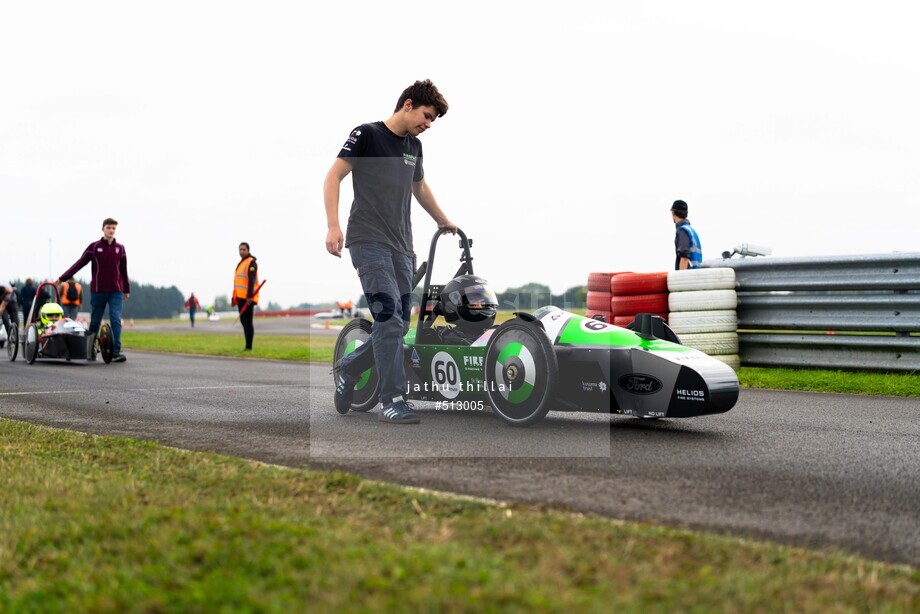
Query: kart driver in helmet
x=470, y=305
x=49, y=315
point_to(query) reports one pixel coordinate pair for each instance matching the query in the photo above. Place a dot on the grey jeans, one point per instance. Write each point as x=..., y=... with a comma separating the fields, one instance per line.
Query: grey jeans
x=386, y=279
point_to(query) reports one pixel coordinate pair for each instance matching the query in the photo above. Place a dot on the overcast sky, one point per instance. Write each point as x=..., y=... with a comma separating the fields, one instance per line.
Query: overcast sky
x=571, y=130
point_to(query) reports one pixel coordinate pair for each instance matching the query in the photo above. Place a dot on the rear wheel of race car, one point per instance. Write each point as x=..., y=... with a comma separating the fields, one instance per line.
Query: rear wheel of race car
x=106, y=342
x=354, y=335
x=12, y=342
x=30, y=345
x=520, y=372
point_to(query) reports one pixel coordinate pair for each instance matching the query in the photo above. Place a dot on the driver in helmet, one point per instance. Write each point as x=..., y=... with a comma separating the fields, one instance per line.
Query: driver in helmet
x=49, y=315
x=469, y=303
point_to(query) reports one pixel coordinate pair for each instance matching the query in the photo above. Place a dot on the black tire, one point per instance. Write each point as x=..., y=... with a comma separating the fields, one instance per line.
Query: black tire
x=30, y=344
x=367, y=389
x=106, y=342
x=12, y=342
x=520, y=372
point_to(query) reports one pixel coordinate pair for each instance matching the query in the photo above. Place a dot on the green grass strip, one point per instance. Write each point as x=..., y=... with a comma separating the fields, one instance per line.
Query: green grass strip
x=275, y=347
x=106, y=524
x=854, y=382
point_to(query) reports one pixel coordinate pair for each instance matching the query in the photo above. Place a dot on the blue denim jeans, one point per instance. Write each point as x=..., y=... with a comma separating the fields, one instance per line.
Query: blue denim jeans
x=386, y=278
x=115, y=301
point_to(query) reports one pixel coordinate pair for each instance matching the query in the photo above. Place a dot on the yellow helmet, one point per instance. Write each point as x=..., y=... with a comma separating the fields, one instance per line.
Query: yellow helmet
x=50, y=312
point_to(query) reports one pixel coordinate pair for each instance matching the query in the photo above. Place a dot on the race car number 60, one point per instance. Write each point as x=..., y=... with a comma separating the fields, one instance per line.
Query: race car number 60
x=446, y=375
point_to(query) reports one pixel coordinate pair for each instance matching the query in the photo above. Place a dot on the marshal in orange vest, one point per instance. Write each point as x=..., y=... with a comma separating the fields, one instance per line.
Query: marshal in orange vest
x=241, y=281
x=65, y=287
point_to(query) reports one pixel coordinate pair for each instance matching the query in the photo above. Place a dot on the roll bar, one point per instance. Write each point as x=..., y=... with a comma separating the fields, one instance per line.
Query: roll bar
x=427, y=316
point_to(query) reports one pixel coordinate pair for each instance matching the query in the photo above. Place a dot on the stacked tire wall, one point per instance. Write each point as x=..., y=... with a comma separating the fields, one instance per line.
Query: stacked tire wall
x=599, y=295
x=635, y=293
x=702, y=311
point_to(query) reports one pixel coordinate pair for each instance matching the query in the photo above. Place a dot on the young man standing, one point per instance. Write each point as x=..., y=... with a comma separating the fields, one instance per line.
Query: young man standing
x=109, y=284
x=687, y=246
x=246, y=291
x=385, y=161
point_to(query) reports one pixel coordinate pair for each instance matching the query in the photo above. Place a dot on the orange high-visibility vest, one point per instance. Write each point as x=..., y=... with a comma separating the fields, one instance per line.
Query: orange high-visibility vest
x=241, y=282
x=66, y=301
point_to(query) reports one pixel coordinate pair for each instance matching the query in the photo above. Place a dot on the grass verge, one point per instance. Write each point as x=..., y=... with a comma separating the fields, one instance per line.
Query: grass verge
x=110, y=524
x=855, y=382
x=276, y=347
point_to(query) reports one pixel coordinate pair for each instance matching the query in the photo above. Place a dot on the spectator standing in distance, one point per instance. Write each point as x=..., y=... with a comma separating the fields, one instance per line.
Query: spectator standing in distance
x=27, y=297
x=9, y=307
x=245, y=295
x=71, y=298
x=385, y=161
x=109, y=284
x=193, y=307
x=687, y=246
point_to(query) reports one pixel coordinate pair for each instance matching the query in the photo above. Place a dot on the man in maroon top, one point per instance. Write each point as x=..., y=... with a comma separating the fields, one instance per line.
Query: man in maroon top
x=109, y=285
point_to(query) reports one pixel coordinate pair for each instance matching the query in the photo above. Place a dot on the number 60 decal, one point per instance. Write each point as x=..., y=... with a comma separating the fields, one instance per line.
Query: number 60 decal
x=446, y=375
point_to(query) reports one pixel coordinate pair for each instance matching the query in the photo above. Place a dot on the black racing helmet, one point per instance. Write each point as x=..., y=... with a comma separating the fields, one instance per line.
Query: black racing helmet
x=469, y=302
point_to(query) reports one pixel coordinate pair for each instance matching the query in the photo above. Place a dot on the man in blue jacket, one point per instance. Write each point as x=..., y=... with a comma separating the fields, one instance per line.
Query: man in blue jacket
x=689, y=250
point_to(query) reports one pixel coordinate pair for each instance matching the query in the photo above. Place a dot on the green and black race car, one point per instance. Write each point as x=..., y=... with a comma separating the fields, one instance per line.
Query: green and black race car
x=551, y=360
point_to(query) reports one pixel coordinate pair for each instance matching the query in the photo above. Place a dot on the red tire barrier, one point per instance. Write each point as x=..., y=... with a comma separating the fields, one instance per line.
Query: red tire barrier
x=599, y=282
x=629, y=284
x=599, y=301
x=639, y=303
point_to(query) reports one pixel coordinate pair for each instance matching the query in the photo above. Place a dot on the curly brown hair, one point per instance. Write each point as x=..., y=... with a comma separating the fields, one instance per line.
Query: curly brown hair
x=423, y=93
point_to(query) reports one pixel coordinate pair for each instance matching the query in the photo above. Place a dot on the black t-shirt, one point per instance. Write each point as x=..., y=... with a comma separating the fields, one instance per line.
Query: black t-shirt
x=384, y=167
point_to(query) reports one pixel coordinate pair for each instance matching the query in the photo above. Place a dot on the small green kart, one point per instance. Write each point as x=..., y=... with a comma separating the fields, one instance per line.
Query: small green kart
x=548, y=360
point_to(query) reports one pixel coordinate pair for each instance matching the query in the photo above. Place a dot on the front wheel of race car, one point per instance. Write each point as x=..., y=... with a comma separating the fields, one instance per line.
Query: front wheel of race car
x=12, y=343
x=30, y=345
x=354, y=335
x=520, y=372
x=106, y=343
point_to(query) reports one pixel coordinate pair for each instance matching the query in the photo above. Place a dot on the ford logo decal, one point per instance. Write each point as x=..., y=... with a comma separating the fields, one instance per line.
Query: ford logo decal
x=639, y=384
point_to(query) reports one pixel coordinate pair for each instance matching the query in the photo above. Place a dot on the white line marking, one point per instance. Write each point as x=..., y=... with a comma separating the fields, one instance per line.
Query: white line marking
x=11, y=394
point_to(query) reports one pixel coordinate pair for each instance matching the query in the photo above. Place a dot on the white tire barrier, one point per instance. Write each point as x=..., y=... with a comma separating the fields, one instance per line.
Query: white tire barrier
x=703, y=300
x=701, y=279
x=722, y=321
x=714, y=344
x=732, y=360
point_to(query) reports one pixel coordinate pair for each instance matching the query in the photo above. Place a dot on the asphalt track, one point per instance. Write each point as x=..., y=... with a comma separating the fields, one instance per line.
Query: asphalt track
x=808, y=469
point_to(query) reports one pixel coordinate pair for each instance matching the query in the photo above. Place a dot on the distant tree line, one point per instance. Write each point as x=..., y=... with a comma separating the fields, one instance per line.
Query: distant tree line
x=535, y=295
x=526, y=298
x=147, y=301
